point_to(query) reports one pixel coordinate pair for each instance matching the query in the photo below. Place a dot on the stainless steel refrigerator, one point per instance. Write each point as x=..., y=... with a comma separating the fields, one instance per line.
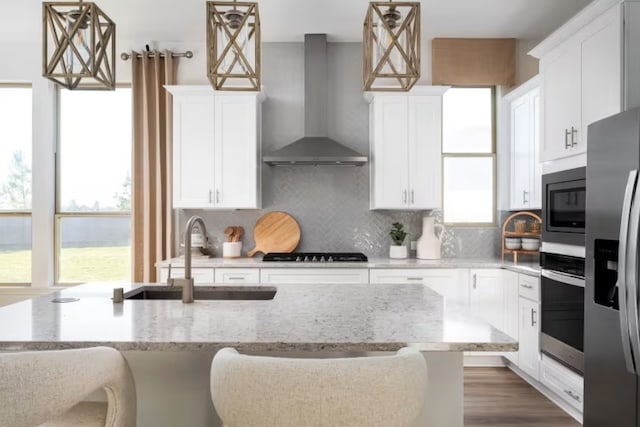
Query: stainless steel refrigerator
x=611, y=332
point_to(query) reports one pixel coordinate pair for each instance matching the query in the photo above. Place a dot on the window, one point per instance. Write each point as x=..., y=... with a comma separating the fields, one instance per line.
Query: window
x=469, y=160
x=93, y=220
x=15, y=184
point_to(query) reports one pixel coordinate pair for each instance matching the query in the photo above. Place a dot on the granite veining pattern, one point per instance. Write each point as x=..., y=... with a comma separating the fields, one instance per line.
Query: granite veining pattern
x=301, y=317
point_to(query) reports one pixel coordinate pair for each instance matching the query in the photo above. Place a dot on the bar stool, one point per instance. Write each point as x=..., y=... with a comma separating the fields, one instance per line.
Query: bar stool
x=252, y=391
x=49, y=387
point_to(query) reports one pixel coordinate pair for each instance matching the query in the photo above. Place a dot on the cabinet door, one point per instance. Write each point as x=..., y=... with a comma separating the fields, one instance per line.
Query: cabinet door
x=529, y=336
x=389, y=154
x=236, y=151
x=193, y=152
x=487, y=296
x=425, y=151
x=536, y=166
x=561, y=98
x=512, y=299
x=453, y=285
x=521, y=154
x=601, y=75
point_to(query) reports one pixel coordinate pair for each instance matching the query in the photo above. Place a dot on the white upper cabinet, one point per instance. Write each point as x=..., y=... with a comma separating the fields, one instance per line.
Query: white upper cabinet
x=237, y=152
x=524, y=137
x=562, y=104
x=601, y=72
x=193, y=152
x=406, y=148
x=582, y=69
x=216, y=149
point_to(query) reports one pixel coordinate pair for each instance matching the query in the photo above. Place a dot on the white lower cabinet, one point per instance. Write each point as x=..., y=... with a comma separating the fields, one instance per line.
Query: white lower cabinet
x=318, y=275
x=529, y=325
x=511, y=310
x=562, y=381
x=487, y=296
x=237, y=275
x=201, y=275
x=451, y=283
x=529, y=332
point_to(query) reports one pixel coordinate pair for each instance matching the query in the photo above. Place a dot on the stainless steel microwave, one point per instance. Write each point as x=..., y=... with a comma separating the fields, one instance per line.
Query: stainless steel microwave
x=564, y=197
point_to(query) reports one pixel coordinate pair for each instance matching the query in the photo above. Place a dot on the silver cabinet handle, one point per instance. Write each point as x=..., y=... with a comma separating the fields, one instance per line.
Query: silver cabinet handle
x=625, y=329
x=524, y=197
x=404, y=197
x=534, y=317
x=572, y=395
x=415, y=278
x=567, y=144
x=210, y=196
x=217, y=196
x=475, y=281
x=235, y=278
x=527, y=286
x=413, y=199
x=574, y=134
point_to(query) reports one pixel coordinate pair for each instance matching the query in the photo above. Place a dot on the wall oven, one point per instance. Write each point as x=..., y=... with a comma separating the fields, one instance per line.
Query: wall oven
x=562, y=309
x=563, y=206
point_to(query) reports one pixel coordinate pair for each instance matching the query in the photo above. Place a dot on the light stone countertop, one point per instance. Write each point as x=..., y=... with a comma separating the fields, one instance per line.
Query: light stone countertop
x=529, y=268
x=368, y=317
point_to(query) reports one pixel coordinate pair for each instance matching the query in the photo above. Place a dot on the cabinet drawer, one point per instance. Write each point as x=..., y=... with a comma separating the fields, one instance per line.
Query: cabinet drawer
x=562, y=381
x=237, y=275
x=397, y=276
x=314, y=275
x=529, y=287
x=201, y=276
x=452, y=284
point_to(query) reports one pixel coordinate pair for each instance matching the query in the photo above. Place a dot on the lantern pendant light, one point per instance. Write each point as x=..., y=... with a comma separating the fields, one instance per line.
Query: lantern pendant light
x=78, y=45
x=391, y=44
x=233, y=45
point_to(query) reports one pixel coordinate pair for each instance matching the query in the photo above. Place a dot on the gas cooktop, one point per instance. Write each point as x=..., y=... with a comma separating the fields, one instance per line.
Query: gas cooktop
x=315, y=257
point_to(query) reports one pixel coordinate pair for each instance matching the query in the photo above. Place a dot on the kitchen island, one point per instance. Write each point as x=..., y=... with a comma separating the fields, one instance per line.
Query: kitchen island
x=169, y=345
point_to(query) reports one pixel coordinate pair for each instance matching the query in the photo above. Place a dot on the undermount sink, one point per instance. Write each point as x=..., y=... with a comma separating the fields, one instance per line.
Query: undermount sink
x=203, y=293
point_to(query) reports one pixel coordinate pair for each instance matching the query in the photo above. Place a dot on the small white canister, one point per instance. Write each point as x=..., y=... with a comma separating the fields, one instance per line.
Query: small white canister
x=231, y=249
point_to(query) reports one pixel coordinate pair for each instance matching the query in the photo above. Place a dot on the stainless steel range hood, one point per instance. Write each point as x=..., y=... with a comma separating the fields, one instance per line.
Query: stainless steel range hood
x=315, y=148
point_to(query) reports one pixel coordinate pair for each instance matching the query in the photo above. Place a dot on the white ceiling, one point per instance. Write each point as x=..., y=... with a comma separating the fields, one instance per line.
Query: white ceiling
x=149, y=21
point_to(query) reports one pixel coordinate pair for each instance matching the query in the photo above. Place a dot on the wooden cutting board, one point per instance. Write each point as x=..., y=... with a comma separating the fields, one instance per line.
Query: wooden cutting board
x=275, y=232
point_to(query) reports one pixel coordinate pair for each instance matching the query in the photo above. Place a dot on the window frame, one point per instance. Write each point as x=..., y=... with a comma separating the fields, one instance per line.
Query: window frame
x=492, y=155
x=21, y=213
x=59, y=215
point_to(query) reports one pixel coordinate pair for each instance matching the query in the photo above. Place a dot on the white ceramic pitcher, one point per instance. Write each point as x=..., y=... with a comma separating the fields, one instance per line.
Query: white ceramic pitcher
x=429, y=245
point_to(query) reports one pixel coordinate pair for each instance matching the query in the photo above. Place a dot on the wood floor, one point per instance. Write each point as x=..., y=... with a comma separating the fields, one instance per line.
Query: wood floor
x=497, y=397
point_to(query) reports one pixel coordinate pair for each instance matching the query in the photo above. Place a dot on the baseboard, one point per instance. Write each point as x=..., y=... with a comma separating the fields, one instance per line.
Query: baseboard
x=479, y=360
x=561, y=403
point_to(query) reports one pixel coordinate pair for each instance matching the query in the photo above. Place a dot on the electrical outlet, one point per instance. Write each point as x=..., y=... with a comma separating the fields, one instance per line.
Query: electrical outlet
x=414, y=245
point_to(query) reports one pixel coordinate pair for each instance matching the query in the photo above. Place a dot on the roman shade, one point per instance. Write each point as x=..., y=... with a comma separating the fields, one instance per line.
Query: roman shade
x=473, y=62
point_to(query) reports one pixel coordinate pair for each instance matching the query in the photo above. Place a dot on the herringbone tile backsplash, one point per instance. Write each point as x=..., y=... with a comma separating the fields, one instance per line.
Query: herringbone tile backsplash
x=331, y=204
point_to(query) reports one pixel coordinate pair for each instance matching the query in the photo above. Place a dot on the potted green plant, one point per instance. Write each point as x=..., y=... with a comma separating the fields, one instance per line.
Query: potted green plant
x=397, y=250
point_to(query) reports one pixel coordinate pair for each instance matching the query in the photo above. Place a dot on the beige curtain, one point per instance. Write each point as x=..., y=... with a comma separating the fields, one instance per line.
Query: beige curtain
x=152, y=131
